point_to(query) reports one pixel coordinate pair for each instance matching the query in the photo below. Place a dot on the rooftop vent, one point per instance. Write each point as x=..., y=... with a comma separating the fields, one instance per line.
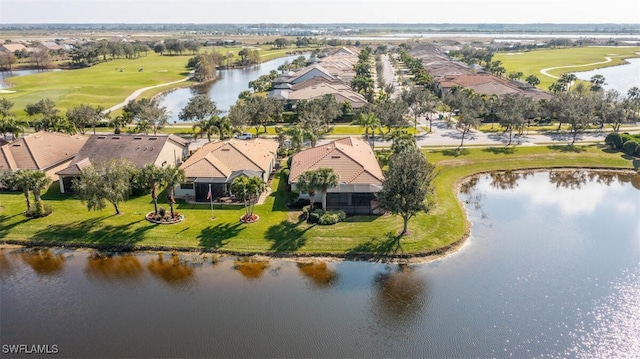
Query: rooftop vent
x=102, y=137
x=115, y=137
x=153, y=138
x=137, y=138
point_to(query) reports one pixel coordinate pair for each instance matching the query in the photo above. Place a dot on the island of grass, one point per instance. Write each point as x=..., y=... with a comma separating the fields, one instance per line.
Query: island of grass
x=279, y=231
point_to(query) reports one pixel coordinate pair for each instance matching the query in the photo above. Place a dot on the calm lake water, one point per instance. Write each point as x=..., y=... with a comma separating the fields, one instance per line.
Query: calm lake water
x=620, y=78
x=225, y=90
x=7, y=74
x=552, y=269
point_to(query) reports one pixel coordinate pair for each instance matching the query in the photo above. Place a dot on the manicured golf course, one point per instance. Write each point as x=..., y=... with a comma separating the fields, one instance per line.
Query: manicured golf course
x=533, y=62
x=105, y=84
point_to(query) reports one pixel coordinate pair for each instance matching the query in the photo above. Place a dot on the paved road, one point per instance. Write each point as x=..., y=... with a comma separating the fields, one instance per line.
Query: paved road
x=138, y=92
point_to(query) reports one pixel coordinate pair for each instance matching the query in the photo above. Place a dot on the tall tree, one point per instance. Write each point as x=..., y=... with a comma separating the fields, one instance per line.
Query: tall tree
x=406, y=185
x=512, y=111
x=105, y=182
x=173, y=176
x=533, y=80
x=369, y=122
x=597, y=81
x=85, y=115
x=147, y=113
x=391, y=113
x=198, y=108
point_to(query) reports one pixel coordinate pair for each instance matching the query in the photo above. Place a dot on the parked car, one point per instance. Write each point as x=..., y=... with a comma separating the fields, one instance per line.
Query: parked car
x=243, y=136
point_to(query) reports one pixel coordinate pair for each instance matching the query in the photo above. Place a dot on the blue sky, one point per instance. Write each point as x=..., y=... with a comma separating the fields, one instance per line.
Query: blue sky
x=316, y=11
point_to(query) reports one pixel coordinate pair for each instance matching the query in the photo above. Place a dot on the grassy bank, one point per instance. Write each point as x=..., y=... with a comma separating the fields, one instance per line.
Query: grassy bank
x=278, y=229
x=530, y=63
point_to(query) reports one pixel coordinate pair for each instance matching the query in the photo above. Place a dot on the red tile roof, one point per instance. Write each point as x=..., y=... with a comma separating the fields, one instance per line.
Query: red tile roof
x=351, y=158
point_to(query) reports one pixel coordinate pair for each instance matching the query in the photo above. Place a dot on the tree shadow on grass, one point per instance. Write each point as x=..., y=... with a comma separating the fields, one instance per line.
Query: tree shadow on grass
x=378, y=248
x=93, y=232
x=286, y=236
x=567, y=148
x=5, y=225
x=500, y=150
x=217, y=236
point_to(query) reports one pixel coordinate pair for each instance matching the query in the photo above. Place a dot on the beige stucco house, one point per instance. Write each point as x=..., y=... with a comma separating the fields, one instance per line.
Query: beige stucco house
x=360, y=175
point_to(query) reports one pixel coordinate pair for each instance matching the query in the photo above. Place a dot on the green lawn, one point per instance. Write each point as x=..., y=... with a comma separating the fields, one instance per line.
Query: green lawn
x=105, y=85
x=278, y=229
x=530, y=63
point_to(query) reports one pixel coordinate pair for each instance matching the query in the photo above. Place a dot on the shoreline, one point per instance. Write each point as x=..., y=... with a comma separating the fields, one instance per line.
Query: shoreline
x=411, y=258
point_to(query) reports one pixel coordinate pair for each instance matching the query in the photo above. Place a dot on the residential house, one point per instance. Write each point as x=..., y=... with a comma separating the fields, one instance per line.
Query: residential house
x=216, y=164
x=141, y=150
x=486, y=84
x=12, y=47
x=45, y=151
x=360, y=176
x=341, y=92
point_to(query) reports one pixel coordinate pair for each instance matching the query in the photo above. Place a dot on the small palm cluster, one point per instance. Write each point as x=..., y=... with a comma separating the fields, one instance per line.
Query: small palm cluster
x=29, y=181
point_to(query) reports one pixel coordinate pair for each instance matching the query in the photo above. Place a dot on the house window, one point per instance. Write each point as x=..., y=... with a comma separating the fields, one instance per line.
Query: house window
x=188, y=185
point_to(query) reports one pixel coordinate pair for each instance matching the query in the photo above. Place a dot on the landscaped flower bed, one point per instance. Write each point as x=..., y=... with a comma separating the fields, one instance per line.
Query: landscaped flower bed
x=249, y=218
x=162, y=217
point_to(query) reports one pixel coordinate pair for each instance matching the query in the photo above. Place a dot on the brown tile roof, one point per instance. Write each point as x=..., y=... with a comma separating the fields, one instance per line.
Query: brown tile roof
x=341, y=93
x=139, y=149
x=351, y=158
x=221, y=158
x=41, y=151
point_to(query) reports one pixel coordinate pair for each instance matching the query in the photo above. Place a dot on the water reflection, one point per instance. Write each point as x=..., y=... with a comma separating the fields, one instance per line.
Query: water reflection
x=43, y=261
x=251, y=268
x=6, y=267
x=318, y=273
x=612, y=329
x=573, y=179
x=505, y=180
x=122, y=267
x=172, y=271
x=400, y=294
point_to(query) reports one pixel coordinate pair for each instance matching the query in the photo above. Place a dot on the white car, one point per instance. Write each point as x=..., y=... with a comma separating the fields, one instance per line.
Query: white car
x=243, y=136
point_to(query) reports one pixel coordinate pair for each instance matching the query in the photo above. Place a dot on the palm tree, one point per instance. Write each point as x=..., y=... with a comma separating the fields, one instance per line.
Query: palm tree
x=325, y=178
x=153, y=177
x=206, y=128
x=369, y=121
x=307, y=184
x=248, y=190
x=20, y=179
x=39, y=181
x=297, y=134
x=173, y=175
x=221, y=125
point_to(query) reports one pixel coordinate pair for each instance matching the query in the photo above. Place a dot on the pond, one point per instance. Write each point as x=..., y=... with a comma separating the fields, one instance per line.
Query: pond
x=7, y=74
x=620, y=78
x=225, y=90
x=551, y=269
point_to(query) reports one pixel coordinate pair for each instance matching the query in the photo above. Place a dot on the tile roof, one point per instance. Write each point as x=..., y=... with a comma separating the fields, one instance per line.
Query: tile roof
x=351, y=158
x=139, y=149
x=340, y=92
x=41, y=151
x=222, y=158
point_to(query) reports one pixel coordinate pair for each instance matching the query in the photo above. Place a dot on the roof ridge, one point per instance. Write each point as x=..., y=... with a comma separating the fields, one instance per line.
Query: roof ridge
x=24, y=139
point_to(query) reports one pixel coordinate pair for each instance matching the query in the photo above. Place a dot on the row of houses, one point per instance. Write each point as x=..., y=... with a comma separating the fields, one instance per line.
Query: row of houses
x=14, y=47
x=328, y=75
x=448, y=73
x=214, y=166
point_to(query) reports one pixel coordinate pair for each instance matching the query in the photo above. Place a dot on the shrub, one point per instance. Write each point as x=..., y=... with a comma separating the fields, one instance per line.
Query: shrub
x=614, y=140
x=38, y=211
x=630, y=147
x=332, y=217
x=315, y=215
x=162, y=212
